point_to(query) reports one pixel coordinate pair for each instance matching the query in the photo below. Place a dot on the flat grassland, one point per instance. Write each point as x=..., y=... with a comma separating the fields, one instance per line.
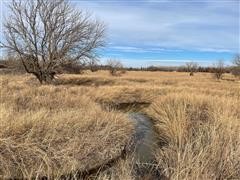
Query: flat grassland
x=82, y=122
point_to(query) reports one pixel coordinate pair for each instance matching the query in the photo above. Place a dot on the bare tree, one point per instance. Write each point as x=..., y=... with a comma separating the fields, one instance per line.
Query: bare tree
x=219, y=69
x=191, y=67
x=236, y=68
x=49, y=33
x=93, y=65
x=114, y=66
x=236, y=60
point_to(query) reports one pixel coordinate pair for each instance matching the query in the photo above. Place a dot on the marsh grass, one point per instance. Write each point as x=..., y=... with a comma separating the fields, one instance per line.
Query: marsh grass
x=201, y=136
x=48, y=131
x=51, y=130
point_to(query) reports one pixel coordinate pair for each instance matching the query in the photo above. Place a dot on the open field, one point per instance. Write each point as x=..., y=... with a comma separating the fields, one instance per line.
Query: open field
x=82, y=122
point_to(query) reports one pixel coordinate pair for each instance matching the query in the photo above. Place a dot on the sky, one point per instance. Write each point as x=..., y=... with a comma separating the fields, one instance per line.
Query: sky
x=142, y=33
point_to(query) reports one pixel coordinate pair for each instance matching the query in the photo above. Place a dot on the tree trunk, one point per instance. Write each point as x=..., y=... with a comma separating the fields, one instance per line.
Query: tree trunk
x=45, y=77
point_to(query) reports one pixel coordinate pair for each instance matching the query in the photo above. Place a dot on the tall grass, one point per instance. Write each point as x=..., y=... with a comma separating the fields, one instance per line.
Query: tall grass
x=48, y=131
x=201, y=136
x=53, y=130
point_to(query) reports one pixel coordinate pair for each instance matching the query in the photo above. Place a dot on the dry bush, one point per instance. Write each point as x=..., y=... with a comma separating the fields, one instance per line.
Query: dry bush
x=191, y=67
x=219, y=69
x=236, y=68
x=115, y=67
x=200, y=136
x=13, y=63
x=236, y=71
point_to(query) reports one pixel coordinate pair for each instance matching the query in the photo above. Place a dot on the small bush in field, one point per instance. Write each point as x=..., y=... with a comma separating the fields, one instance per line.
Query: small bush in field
x=191, y=68
x=115, y=67
x=219, y=69
x=236, y=68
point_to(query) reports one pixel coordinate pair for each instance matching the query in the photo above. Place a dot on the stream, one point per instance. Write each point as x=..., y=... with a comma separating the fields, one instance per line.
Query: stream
x=142, y=147
x=144, y=139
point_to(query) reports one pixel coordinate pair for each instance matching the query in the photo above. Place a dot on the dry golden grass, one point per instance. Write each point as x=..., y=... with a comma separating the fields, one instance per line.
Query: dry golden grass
x=200, y=135
x=50, y=131
x=55, y=129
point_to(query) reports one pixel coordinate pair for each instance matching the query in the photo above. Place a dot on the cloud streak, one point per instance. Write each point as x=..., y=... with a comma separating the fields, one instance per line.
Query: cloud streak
x=162, y=62
x=171, y=24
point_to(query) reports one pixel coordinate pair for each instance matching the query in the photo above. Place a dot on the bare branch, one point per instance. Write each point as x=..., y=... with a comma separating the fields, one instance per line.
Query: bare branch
x=49, y=33
x=114, y=66
x=191, y=67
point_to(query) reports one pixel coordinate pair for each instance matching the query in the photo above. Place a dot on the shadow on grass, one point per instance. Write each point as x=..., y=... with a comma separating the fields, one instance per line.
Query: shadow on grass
x=85, y=82
x=125, y=106
x=229, y=79
x=137, y=80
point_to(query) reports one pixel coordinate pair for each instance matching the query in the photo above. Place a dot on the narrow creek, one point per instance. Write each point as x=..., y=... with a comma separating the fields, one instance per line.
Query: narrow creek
x=142, y=147
x=145, y=143
x=145, y=139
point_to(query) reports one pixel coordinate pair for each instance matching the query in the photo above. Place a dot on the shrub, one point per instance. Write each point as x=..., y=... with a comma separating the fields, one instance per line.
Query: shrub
x=236, y=68
x=191, y=68
x=115, y=67
x=219, y=69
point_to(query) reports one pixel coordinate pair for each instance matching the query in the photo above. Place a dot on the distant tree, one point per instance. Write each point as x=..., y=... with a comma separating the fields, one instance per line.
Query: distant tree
x=115, y=67
x=236, y=68
x=236, y=60
x=46, y=34
x=93, y=65
x=219, y=69
x=152, y=68
x=191, y=67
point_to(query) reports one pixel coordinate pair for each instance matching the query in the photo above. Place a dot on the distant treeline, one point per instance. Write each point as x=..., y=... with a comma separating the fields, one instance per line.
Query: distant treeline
x=16, y=66
x=163, y=68
x=179, y=69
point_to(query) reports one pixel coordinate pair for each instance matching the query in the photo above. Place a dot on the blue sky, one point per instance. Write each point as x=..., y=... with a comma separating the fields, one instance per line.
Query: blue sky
x=167, y=32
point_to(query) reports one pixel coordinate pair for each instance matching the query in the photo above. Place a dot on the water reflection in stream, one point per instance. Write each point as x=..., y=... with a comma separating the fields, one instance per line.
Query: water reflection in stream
x=144, y=139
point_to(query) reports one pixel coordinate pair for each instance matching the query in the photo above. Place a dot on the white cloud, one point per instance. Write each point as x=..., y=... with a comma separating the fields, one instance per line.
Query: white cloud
x=128, y=49
x=159, y=49
x=132, y=62
x=215, y=50
x=143, y=49
x=182, y=26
